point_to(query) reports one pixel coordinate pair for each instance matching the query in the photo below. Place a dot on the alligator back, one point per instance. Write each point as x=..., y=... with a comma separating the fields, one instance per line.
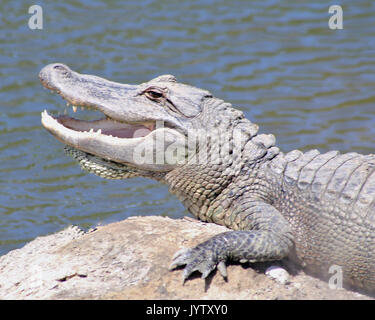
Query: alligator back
x=329, y=200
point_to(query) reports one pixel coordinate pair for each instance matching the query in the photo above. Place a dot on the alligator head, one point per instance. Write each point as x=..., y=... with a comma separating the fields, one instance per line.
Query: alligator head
x=135, y=117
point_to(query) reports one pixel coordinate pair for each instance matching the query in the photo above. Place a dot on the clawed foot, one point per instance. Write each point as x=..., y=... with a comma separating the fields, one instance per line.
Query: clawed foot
x=198, y=259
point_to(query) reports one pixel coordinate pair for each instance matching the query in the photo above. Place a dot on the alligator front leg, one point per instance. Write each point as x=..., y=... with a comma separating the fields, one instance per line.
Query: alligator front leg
x=266, y=236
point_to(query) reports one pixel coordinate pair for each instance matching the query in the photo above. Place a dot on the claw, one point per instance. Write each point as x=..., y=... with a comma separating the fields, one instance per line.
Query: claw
x=180, y=252
x=185, y=275
x=222, y=269
x=197, y=259
x=206, y=272
x=179, y=258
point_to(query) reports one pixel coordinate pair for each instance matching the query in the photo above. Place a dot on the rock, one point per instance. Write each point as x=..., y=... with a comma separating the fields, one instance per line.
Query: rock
x=130, y=259
x=279, y=274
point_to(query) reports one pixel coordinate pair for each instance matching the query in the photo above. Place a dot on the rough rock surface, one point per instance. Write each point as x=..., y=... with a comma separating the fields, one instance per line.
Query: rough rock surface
x=130, y=259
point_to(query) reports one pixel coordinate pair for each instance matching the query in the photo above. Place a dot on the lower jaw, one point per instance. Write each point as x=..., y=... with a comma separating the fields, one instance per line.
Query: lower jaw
x=93, y=141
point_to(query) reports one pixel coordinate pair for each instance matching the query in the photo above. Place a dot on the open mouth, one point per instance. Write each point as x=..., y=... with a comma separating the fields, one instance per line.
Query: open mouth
x=122, y=133
x=104, y=126
x=105, y=137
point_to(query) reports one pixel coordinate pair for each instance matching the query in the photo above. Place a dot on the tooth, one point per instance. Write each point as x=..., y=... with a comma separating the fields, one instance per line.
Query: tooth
x=91, y=130
x=149, y=126
x=67, y=104
x=74, y=108
x=100, y=131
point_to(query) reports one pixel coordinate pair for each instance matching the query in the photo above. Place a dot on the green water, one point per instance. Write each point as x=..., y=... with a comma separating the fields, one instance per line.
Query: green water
x=277, y=61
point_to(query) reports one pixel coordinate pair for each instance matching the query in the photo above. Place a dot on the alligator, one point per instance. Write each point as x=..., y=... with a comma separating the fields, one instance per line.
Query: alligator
x=317, y=209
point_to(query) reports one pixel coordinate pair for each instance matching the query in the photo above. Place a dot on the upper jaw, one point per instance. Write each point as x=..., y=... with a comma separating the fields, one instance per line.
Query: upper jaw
x=86, y=90
x=117, y=101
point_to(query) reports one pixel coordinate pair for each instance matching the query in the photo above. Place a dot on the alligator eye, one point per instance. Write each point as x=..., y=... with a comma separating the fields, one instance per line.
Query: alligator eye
x=61, y=69
x=58, y=67
x=154, y=94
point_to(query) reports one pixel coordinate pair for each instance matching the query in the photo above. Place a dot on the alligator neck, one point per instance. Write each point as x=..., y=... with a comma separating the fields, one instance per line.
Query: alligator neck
x=231, y=148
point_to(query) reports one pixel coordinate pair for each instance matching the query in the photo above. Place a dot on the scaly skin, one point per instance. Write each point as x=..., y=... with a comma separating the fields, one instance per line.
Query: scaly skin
x=319, y=209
